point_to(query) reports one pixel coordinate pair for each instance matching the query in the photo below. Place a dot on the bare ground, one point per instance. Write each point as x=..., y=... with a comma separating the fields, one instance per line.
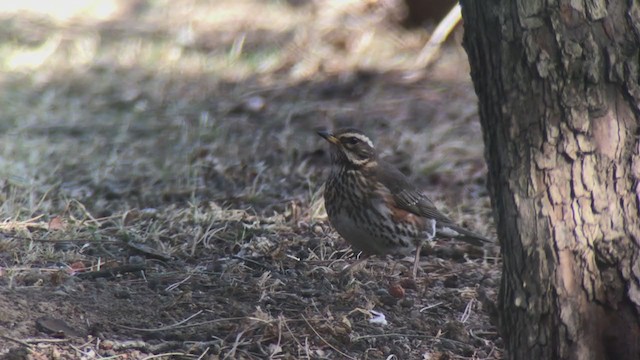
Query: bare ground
x=161, y=184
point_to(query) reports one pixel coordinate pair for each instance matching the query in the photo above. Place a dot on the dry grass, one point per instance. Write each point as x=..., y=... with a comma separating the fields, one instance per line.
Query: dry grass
x=187, y=128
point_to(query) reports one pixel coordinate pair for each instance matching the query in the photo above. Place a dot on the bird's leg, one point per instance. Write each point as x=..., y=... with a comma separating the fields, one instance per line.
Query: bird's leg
x=416, y=261
x=430, y=237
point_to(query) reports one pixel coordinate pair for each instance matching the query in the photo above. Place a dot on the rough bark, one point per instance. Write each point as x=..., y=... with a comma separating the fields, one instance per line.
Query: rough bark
x=559, y=94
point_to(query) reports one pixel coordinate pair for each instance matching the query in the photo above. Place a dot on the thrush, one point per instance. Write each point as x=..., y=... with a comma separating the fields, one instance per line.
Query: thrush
x=375, y=208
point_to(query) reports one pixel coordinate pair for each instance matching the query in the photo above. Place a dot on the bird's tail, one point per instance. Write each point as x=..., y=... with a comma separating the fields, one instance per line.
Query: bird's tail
x=460, y=233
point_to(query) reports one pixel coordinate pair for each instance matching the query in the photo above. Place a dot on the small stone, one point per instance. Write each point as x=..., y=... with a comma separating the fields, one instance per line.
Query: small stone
x=397, y=291
x=451, y=281
x=455, y=330
x=388, y=300
x=407, y=303
x=408, y=284
x=255, y=104
x=106, y=345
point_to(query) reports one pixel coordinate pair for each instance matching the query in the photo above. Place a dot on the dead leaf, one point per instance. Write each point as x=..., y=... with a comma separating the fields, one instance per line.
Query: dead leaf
x=57, y=223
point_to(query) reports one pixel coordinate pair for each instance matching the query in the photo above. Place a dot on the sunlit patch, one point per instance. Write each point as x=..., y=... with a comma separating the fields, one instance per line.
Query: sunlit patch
x=65, y=10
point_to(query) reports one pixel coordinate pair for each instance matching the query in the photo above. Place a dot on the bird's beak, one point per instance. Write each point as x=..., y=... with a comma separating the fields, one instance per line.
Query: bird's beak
x=329, y=137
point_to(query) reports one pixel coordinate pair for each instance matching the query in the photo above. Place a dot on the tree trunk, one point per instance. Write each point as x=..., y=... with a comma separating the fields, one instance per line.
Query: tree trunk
x=559, y=92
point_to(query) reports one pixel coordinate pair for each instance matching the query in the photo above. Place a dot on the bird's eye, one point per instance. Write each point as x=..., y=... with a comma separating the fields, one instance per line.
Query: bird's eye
x=351, y=140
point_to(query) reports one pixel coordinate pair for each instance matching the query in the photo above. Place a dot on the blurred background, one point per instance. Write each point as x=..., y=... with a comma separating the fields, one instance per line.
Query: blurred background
x=138, y=100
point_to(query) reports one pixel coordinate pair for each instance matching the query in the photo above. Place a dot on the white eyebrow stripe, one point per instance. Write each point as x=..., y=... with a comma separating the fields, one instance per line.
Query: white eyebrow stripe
x=356, y=161
x=361, y=137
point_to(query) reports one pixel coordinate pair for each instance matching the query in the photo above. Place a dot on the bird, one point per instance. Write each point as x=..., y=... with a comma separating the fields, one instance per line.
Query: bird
x=375, y=207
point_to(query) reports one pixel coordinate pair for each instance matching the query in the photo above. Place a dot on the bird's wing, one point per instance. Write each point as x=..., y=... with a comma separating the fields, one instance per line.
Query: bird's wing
x=406, y=196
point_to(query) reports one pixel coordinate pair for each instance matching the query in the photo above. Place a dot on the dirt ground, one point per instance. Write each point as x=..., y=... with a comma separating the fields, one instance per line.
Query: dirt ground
x=161, y=183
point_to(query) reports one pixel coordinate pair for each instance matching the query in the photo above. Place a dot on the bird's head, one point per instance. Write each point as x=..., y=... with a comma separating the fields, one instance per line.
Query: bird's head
x=351, y=147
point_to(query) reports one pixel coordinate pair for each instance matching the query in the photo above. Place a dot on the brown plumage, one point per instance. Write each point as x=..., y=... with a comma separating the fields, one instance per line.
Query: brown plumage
x=374, y=207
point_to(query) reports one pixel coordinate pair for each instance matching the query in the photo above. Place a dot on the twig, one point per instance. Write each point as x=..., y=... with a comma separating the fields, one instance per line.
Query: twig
x=203, y=354
x=376, y=336
x=155, y=356
x=169, y=327
x=236, y=343
x=86, y=212
x=262, y=265
x=475, y=336
x=181, y=326
x=467, y=311
x=281, y=318
x=175, y=285
x=56, y=241
x=112, y=272
x=431, y=306
x=439, y=35
x=18, y=341
x=325, y=341
x=10, y=225
x=78, y=350
x=16, y=269
x=51, y=341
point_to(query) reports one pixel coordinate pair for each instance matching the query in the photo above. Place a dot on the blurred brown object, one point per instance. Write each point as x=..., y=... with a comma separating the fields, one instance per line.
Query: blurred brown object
x=421, y=11
x=439, y=35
